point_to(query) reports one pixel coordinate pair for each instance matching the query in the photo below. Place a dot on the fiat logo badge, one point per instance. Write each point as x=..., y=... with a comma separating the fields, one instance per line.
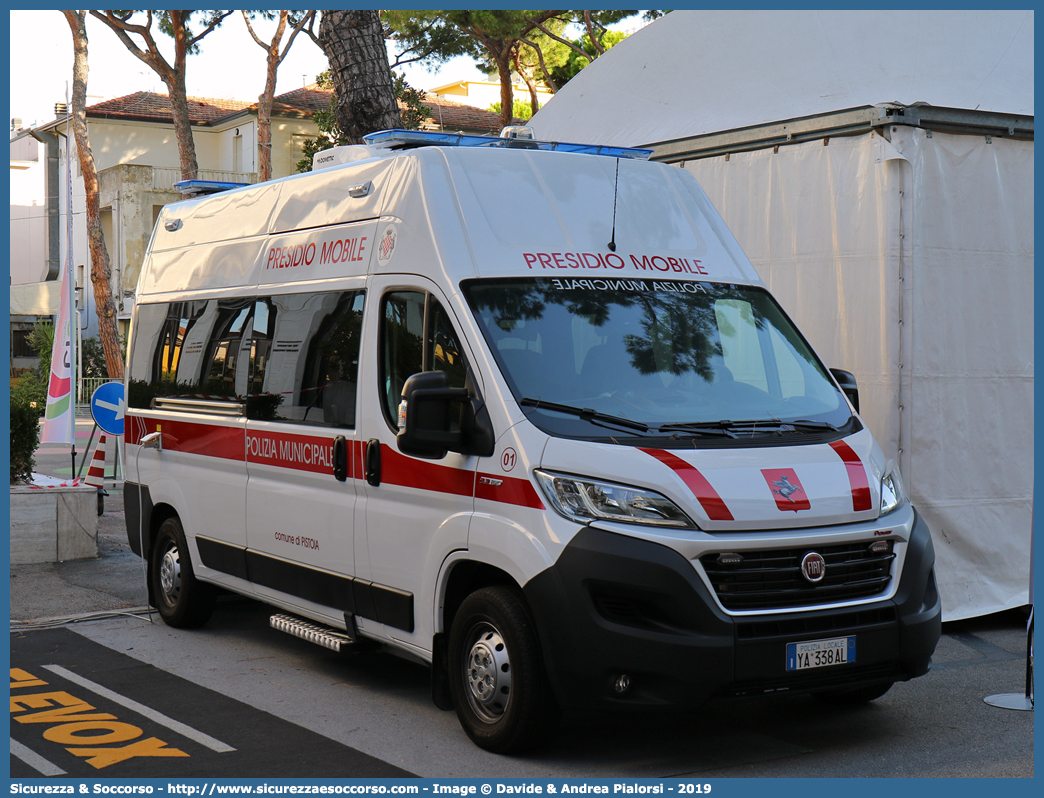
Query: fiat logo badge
x=813, y=567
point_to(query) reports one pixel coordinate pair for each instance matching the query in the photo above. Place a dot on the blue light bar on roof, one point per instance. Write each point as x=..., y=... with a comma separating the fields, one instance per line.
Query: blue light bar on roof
x=405, y=139
x=194, y=187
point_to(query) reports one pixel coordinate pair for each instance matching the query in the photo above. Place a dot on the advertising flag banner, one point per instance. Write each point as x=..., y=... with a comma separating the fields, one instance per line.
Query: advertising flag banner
x=60, y=415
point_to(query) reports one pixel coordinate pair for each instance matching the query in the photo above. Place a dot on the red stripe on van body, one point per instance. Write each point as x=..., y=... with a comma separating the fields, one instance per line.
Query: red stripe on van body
x=508, y=490
x=861, y=499
x=315, y=454
x=407, y=472
x=228, y=443
x=706, y=495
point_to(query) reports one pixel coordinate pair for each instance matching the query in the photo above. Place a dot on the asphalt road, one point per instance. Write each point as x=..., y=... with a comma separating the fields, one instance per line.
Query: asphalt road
x=237, y=678
x=286, y=706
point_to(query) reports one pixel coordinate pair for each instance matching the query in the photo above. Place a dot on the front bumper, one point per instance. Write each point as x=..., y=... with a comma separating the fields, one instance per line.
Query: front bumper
x=638, y=608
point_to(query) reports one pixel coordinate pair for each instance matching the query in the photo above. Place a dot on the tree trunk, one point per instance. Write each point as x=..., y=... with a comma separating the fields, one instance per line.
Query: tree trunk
x=264, y=123
x=182, y=126
x=264, y=128
x=267, y=97
x=173, y=77
x=101, y=273
x=273, y=58
x=595, y=41
x=264, y=115
x=175, y=81
x=365, y=94
x=507, y=92
x=534, y=100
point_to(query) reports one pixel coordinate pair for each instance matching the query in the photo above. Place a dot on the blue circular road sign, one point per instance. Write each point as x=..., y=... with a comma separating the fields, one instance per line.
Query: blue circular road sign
x=107, y=407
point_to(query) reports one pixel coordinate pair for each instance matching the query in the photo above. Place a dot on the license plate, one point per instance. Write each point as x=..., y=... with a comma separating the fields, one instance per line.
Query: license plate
x=821, y=653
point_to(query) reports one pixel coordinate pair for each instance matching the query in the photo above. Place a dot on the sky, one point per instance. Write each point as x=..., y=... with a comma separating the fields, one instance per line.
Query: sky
x=230, y=66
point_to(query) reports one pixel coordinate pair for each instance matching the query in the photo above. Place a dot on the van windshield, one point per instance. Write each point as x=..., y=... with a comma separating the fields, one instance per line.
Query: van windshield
x=659, y=357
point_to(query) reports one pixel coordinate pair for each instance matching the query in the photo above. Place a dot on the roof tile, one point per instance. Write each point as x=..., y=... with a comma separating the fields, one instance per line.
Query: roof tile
x=144, y=105
x=147, y=105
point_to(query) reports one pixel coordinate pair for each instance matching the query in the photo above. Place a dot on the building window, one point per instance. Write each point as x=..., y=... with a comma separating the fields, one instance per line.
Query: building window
x=20, y=343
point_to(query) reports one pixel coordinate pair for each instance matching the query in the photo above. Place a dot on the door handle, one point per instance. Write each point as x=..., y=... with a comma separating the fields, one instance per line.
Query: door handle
x=373, y=462
x=340, y=458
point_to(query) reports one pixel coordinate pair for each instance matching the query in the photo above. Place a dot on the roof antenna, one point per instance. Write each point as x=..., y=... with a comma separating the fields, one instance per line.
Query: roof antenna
x=616, y=185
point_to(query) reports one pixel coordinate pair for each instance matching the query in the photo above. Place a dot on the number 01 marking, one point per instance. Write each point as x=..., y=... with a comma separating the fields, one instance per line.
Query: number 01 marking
x=508, y=460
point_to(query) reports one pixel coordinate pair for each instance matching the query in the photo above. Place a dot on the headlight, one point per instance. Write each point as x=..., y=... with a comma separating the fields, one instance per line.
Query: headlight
x=892, y=494
x=587, y=500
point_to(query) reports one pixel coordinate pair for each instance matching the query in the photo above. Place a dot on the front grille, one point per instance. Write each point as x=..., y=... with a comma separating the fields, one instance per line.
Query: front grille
x=771, y=579
x=816, y=624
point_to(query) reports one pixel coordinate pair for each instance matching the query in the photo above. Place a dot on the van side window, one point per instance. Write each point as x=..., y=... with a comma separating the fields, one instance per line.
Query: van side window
x=178, y=347
x=304, y=355
x=223, y=349
x=155, y=350
x=416, y=335
x=181, y=318
x=291, y=358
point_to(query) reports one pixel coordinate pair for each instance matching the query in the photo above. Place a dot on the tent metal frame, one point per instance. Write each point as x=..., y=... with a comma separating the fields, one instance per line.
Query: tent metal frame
x=850, y=122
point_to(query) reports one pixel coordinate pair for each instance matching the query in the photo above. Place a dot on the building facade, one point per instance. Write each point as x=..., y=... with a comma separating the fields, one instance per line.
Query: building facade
x=483, y=94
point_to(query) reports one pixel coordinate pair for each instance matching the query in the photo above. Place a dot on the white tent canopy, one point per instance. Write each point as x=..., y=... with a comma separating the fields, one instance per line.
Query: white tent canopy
x=903, y=249
x=696, y=72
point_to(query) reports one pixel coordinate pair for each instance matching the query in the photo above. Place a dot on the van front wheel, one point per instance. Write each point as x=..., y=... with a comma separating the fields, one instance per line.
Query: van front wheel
x=182, y=601
x=497, y=679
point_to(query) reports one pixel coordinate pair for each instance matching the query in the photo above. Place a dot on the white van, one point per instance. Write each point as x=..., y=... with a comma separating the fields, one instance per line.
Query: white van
x=523, y=411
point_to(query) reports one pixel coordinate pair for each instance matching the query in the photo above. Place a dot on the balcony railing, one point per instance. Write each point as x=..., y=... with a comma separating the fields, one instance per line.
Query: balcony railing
x=164, y=178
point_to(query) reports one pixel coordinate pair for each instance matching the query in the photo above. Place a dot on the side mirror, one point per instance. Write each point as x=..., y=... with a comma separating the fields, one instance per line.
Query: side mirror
x=846, y=381
x=424, y=415
x=426, y=418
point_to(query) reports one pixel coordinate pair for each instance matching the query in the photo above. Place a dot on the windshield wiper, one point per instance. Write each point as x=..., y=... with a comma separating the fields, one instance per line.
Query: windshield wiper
x=585, y=413
x=810, y=426
x=754, y=425
x=698, y=427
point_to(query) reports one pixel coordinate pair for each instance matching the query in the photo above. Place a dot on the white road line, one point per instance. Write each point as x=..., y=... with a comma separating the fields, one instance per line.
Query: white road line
x=175, y=725
x=34, y=760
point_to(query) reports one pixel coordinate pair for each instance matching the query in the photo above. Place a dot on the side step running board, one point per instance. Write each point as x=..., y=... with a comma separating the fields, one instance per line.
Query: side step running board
x=325, y=636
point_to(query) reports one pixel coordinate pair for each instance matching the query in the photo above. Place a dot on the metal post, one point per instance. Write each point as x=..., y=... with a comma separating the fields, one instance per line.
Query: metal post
x=72, y=275
x=76, y=473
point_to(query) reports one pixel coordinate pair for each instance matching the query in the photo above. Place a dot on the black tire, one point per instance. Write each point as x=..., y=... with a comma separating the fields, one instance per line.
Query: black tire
x=183, y=601
x=496, y=675
x=860, y=695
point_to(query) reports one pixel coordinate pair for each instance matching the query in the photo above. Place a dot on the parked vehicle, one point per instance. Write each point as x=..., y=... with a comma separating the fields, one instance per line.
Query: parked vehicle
x=523, y=411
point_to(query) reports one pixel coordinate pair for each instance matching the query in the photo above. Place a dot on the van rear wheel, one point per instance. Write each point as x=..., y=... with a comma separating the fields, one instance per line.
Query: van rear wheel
x=181, y=599
x=497, y=680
